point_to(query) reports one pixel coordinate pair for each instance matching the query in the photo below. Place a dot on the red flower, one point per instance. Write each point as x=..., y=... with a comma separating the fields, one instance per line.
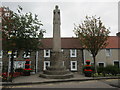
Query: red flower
x=87, y=60
x=88, y=65
x=28, y=64
x=87, y=70
x=28, y=69
x=27, y=60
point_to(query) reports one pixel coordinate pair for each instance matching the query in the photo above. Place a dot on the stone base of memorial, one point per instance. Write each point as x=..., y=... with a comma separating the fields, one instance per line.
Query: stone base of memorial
x=56, y=70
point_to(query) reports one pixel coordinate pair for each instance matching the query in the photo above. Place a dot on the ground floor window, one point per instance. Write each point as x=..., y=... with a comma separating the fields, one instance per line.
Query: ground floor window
x=73, y=65
x=101, y=64
x=117, y=64
x=46, y=64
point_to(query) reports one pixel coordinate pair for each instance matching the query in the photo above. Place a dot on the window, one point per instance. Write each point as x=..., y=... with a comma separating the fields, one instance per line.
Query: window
x=26, y=55
x=73, y=65
x=108, y=52
x=92, y=63
x=117, y=64
x=0, y=65
x=63, y=63
x=90, y=54
x=101, y=64
x=73, y=53
x=61, y=50
x=46, y=64
x=1, y=53
x=15, y=54
x=46, y=53
x=7, y=14
x=19, y=64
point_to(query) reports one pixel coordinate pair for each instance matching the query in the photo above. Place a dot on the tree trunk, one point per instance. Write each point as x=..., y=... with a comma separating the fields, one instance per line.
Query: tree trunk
x=94, y=58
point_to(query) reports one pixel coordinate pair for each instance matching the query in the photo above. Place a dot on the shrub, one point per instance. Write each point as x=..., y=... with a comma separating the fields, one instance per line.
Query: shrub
x=19, y=70
x=109, y=69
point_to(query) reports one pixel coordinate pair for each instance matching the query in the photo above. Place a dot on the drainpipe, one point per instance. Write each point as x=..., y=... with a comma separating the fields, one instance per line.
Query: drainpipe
x=36, y=66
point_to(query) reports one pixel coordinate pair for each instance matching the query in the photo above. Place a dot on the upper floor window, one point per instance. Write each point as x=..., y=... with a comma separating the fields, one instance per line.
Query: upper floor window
x=26, y=55
x=15, y=54
x=73, y=53
x=46, y=53
x=1, y=53
x=108, y=52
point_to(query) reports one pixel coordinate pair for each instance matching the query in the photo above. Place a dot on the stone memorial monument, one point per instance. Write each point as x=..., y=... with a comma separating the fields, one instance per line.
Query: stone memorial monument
x=56, y=69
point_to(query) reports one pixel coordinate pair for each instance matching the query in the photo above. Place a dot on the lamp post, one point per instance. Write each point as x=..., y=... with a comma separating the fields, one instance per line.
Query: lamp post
x=9, y=53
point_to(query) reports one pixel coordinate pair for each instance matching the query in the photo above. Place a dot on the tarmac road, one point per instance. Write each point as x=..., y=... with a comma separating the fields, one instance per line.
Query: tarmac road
x=79, y=84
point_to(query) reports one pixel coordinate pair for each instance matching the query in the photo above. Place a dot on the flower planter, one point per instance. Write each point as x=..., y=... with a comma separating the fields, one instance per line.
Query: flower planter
x=88, y=74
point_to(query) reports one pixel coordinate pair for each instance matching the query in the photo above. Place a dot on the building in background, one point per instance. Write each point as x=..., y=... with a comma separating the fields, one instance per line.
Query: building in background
x=73, y=55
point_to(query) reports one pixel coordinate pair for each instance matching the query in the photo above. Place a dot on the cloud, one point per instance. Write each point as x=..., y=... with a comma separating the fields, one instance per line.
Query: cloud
x=71, y=12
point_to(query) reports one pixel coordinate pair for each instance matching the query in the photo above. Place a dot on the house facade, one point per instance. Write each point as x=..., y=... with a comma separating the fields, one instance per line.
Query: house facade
x=73, y=55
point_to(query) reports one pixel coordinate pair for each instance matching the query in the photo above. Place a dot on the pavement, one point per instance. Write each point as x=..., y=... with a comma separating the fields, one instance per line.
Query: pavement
x=35, y=79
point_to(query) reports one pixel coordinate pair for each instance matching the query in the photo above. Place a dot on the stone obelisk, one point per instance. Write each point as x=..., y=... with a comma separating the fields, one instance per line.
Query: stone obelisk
x=56, y=70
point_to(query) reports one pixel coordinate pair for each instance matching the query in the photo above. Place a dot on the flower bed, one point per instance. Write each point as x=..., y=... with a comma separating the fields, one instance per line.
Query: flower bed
x=5, y=76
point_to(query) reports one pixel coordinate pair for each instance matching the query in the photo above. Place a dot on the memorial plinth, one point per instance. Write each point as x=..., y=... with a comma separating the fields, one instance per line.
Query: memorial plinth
x=56, y=69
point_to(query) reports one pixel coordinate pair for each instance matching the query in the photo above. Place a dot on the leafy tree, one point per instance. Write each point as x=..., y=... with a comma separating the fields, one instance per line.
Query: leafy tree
x=20, y=31
x=93, y=35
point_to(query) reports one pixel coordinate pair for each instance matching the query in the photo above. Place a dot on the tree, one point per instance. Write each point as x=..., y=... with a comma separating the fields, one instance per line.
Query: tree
x=20, y=31
x=93, y=35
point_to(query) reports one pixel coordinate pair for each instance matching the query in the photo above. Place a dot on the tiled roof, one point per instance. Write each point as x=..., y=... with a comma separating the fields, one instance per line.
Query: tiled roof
x=75, y=43
x=65, y=43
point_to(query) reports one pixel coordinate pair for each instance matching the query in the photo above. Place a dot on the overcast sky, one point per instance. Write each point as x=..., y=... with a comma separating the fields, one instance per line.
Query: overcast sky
x=71, y=13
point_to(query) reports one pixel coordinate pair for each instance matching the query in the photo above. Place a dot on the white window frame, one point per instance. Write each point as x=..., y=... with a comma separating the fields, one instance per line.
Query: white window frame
x=44, y=68
x=1, y=54
x=71, y=64
x=63, y=63
x=24, y=55
x=117, y=61
x=103, y=63
x=45, y=51
x=90, y=54
x=62, y=50
x=71, y=53
x=107, y=52
x=92, y=63
x=15, y=54
x=1, y=65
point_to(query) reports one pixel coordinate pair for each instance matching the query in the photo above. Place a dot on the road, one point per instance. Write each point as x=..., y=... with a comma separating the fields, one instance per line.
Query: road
x=78, y=84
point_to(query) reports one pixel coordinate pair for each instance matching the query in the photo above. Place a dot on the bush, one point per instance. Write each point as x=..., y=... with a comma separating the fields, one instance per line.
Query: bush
x=110, y=69
x=19, y=70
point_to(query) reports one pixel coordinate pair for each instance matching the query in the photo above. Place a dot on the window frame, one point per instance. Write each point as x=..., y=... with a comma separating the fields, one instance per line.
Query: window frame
x=1, y=54
x=104, y=65
x=71, y=66
x=117, y=61
x=71, y=53
x=24, y=55
x=1, y=64
x=45, y=51
x=44, y=67
x=106, y=51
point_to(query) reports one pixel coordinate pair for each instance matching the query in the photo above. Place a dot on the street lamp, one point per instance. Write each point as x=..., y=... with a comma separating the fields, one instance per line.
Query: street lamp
x=9, y=53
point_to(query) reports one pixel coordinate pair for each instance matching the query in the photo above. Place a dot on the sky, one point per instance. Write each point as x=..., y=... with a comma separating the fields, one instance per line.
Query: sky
x=72, y=12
